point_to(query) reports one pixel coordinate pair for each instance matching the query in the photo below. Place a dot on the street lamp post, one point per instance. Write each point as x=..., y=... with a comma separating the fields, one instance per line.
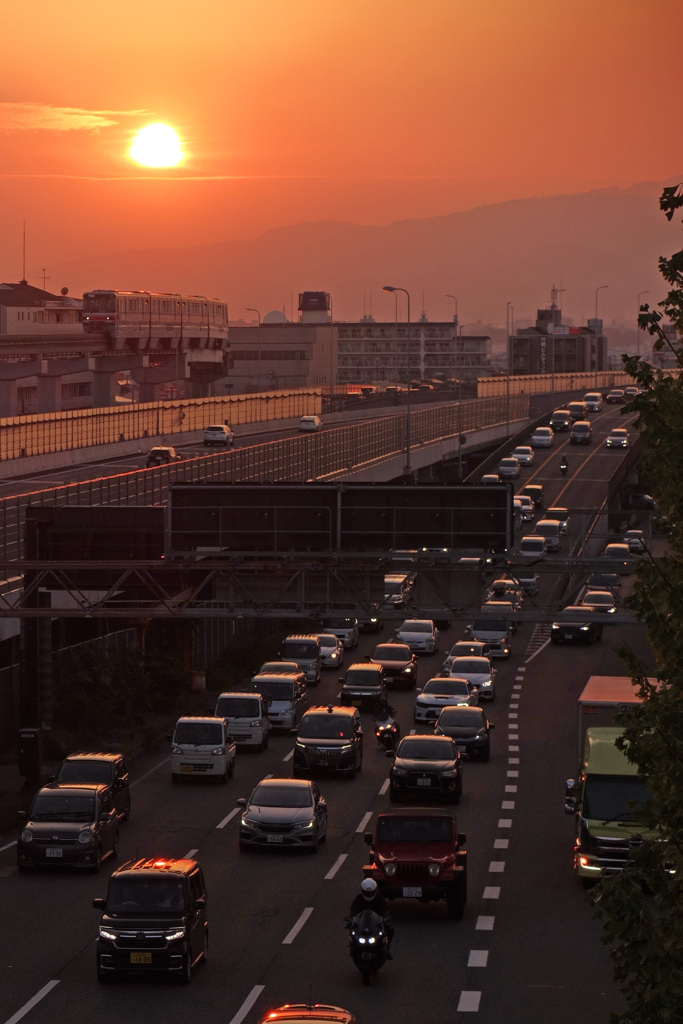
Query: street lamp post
x=390, y=288
x=508, y=307
x=646, y=292
x=455, y=328
x=250, y=309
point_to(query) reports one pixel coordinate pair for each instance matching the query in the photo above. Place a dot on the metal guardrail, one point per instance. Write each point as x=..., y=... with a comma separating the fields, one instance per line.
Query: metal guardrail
x=308, y=457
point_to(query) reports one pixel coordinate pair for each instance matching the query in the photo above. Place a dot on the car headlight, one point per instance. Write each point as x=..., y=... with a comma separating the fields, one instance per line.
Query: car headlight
x=85, y=838
x=176, y=750
x=347, y=746
x=584, y=629
x=434, y=870
x=555, y=627
x=106, y=934
x=300, y=746
x=306, y=824
x=252, y=725
x=27, y=836
x=172, y=936
x=248, y=822
x=450, y=773
x=487, y=682
x=408, y=668
x=390, y=870
x=218, y=751
x=399, y=772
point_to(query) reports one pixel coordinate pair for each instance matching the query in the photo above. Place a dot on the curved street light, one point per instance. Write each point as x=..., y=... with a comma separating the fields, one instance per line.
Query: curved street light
x=250, y=309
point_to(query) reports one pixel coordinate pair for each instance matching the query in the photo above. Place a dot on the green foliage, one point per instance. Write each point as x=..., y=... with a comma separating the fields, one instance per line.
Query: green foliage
x=641, y=908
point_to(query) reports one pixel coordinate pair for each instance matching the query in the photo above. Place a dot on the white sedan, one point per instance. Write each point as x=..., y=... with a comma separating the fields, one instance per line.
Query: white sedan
x=618, y=438
x=331, y=650
x=421, y=635
x=543, y=437
x=524, y=455
x=442, y=693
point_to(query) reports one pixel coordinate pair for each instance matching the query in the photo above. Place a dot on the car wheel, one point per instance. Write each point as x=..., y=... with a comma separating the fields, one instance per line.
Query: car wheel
x=205, y=947
x=115, y=846
x=186, y=975
x=394, y=795
x=485, y=754
x=104, y=977
x=457, y=792
x=264, y=742
x=313, y=848
x=126, y=812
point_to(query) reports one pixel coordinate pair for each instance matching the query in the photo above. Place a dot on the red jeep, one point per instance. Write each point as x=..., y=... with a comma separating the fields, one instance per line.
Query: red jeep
x=416, y=854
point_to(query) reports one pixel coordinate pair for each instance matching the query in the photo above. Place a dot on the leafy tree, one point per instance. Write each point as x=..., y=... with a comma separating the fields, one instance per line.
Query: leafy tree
x=641, y=909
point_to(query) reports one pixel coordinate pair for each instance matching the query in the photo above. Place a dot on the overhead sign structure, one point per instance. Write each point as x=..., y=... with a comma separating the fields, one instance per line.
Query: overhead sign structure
x=257, y=519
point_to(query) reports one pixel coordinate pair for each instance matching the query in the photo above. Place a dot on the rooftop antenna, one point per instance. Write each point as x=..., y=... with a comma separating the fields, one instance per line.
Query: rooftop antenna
x=46, y=277
x=23, y=264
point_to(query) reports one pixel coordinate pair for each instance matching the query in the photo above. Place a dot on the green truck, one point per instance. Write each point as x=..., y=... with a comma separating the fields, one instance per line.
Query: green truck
x=606, y=784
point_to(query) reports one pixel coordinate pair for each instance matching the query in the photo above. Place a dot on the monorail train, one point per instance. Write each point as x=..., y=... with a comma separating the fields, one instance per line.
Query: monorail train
x=138, y=321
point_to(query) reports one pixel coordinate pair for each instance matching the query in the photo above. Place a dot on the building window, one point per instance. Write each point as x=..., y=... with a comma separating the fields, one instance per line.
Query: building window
x=76, y=389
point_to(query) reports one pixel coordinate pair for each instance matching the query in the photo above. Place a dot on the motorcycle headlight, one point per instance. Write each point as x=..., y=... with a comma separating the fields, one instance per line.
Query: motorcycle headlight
x=361, y=939
x=372, y=939
x=434, y=870
x=27, y=836
x=390, y=870
x=85, y=838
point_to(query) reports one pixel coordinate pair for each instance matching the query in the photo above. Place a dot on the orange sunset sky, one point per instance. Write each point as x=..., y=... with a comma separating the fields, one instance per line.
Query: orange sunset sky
x=291, y=110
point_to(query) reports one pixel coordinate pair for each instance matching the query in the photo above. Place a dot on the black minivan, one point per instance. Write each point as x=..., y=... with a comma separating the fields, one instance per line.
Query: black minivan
x=106, y=768
x=154, y=919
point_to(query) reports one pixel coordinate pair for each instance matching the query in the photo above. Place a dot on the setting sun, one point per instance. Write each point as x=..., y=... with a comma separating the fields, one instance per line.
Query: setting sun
x=157, y=145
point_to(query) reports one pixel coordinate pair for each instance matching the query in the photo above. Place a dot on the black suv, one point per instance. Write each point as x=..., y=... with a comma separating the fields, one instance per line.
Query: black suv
x=109, y=769
x=69, y=824
x=363, y=686
x=162, y=456
x=330, y=739
x=154, y=919
x=426, y=765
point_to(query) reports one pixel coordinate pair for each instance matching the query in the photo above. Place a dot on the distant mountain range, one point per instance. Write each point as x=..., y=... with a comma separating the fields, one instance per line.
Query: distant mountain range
x=513, y=251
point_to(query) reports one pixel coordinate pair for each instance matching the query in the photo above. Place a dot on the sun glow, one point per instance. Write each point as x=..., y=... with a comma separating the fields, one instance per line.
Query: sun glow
x=157, y=145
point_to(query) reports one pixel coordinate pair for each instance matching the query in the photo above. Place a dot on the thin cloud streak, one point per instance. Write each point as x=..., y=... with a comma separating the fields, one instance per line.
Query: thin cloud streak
x=42, y=117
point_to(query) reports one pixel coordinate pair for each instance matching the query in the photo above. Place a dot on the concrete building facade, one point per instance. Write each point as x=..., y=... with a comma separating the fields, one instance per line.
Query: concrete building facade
x=553, y=347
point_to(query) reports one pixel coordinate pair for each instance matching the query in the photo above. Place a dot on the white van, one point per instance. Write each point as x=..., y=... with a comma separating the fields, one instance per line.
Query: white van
x=550, y=529
x=202, y=747
x=495, y=633
x=304, y=649
x=285, y=694
x=593, y=401
x=247, y=718
x=532, y=546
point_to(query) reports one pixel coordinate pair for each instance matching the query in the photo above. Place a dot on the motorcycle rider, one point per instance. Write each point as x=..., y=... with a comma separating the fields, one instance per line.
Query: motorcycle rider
x=370, y=898
x=564, y=465
x=384, y=710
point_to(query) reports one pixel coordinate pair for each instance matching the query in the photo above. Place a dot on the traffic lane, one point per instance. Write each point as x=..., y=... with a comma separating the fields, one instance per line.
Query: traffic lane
x=546, y=947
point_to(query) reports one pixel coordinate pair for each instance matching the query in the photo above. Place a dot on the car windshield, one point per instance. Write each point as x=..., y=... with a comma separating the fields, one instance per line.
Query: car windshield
x=607, y=796
x=63, y=807
x=363, y=677
x=406, y=830
x=339, y=623
x=392, y=586
x=328, y=640
x=489, y=626
x=454, y=718
x=419, y=749
x=204, y=734
x=274, y=689
x=416, y=626
x=447, y=687
x=281, y=796
x=329, y=727
x=300, y=650
x=85, y=771
x=237, y=707
x=145, y=895
x=392, y=652
x=473, y=666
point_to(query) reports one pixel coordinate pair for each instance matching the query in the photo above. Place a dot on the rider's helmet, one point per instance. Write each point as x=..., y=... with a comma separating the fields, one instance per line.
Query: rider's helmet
x=368, y=887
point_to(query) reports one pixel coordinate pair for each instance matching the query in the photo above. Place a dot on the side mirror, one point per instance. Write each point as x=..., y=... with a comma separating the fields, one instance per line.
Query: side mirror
x=368, y=838
x=241, y=802
x=462, y=838
x=293, y=732
x=492, y=725
x=21, y=815
x=390, y=754
x=98, y=903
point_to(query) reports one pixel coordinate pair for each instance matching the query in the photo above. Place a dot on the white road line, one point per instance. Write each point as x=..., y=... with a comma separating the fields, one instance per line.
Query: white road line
x=469, y=1002
x=229, y=817
x=520, y=668
x=289, y=756
x=516, y=686
x=45, y=990
x=384, y=787
x=510, y=789
x=151, y=771
x=501, y=844
x=484, y=924
x=363, y=822
x=190, y=854
x=9, y=845
x=513, y=760
x=513, y=775
x=537, y=651
x=507, y=805
x=335, y=867
x=514, y=706
x=247, y=1004
x=491, y=892
x=512, y=714
x=478, y=958
x=505, y=823
x=289, y=938
x=513, y=750
x=497, y=866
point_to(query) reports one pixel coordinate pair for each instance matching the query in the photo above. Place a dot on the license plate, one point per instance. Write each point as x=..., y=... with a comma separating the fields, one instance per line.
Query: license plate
x=53, y=851
x=186, y=769
x=366, y=954
x=424, y=782
x=461, y=748
x=274, y=839
x=141, y=958
x=567, y=636
x=357, y=702
x=412, y=890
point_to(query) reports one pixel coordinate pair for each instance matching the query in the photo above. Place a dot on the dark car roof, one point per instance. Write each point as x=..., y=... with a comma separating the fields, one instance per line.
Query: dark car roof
x=417, y=812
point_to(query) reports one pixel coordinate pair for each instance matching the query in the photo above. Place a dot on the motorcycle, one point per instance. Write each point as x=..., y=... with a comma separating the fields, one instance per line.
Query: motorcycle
x=368, y=943
x=564, y=467
x=388, y=732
